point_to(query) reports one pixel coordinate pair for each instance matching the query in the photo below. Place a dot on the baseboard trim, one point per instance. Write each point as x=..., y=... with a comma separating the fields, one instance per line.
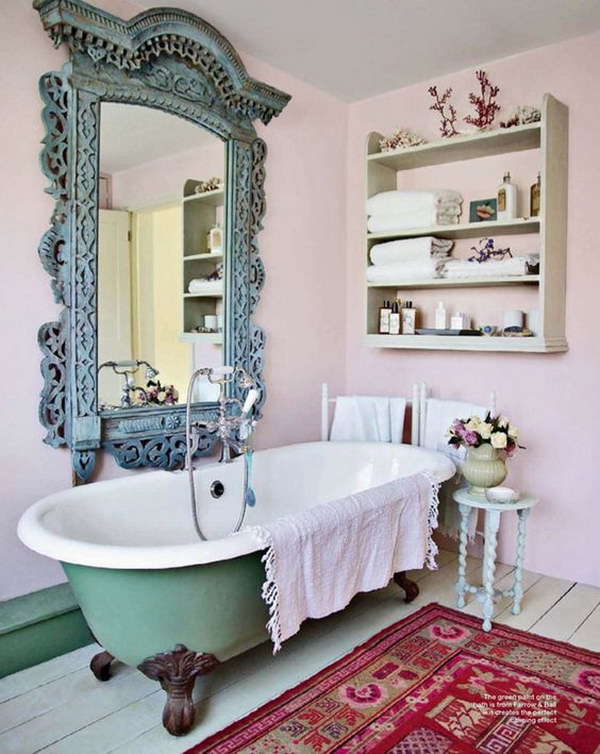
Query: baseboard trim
x=39, y=626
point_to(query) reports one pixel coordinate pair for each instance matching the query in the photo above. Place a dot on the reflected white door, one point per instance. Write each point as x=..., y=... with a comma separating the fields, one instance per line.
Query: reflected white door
x=114, y=299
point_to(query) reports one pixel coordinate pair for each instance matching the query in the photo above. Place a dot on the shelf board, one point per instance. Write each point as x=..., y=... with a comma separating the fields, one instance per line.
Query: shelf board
x=468, y=147
x=201, y=337
x=204, y=257
x=464, y=230
x=467, y=343
x=212, y=198
x=460, y=282
x=218, y=294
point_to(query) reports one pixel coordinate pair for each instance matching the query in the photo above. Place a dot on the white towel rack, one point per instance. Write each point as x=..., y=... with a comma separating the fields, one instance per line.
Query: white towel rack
x=326, y=401
x=417, y=403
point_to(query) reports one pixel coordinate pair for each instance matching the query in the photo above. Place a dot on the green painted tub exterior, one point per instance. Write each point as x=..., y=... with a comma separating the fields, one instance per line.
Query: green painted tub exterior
x=134, y=614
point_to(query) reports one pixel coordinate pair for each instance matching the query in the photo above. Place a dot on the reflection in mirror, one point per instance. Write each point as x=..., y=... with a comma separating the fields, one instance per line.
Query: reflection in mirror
x=160, y=257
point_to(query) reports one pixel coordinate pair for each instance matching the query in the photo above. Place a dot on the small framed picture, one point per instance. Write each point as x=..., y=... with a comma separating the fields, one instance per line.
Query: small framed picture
x=483, y=211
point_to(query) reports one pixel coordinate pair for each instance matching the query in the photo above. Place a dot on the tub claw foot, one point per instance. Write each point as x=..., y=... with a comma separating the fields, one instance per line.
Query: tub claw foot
x=100, y=665
x=176, y=671
x=411, y=588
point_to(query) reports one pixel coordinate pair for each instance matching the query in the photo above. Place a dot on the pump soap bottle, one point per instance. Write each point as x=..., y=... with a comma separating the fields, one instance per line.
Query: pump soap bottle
x=395, y=319
x=409, y=319
x=507, y=199
x=384, y=318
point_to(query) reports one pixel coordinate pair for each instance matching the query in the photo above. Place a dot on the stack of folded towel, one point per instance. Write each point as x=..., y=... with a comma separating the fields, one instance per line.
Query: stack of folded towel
x=395, y=210
x=200, y=285
x=515, y=266
x=409, y=259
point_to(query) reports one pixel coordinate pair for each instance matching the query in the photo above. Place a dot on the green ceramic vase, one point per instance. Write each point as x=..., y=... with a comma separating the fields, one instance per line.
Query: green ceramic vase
x=483, y=468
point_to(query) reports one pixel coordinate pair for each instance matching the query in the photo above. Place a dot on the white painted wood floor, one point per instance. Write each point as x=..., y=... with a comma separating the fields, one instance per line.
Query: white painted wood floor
x=59, y=708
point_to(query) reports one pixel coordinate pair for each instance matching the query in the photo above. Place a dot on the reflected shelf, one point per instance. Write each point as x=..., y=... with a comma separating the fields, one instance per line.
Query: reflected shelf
x=205, y=256
x=204, y=295
x=202, y=337
x=213, y=198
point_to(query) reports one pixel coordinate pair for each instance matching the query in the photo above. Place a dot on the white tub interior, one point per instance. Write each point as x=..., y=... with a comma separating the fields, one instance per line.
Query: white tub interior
x=144, y=521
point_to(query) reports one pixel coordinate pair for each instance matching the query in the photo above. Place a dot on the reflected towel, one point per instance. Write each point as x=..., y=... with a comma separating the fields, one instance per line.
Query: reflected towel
x=318, y=559
x=410, y=250
x=368, y=419
x=198, y=285
x=439, y=415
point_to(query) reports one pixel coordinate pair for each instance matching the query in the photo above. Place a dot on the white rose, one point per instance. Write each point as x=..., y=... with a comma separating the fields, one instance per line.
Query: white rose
x=474, y=424
x=485, y=431
x=498, y=440
x=502, y=421
x=513, y=432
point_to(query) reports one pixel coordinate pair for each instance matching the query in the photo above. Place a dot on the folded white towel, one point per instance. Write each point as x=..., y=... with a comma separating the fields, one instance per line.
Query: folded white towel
x=197, y=285
x=417, y=219
x=410, y=250
x=317, y=560
x=439, y=415
x=462, y=268
x=398, y=271
x=388, y=202
x=368, y=419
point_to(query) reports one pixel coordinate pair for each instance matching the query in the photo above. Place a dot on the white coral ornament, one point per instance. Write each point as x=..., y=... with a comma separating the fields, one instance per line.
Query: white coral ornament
x=400, y=139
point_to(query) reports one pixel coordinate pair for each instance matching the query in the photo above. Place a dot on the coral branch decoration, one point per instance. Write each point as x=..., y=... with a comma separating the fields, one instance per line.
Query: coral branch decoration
x=448, y=115
x=485, y=103
x=400, y=139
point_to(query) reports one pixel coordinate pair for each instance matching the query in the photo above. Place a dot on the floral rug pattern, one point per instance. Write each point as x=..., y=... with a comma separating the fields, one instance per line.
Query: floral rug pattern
x=434, y=683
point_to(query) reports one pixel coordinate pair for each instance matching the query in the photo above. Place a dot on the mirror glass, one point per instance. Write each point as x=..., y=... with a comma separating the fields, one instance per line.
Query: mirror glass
x=161, y=241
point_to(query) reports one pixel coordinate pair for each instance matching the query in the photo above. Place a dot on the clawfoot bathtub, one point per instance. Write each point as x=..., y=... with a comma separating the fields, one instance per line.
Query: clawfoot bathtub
x=157, y=598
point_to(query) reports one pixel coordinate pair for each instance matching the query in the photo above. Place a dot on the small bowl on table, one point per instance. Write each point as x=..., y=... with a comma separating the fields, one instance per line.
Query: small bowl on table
x=502, y=495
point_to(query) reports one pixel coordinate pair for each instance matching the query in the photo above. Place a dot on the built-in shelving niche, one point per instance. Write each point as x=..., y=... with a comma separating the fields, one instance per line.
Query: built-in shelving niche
x=549, y=138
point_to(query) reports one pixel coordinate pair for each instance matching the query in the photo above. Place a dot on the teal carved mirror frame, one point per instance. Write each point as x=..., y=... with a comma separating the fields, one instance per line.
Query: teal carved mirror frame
x=174, y=61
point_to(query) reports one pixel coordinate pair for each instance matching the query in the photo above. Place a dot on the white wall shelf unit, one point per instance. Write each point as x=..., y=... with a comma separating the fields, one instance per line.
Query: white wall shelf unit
x=200, y=213
x=549, y=138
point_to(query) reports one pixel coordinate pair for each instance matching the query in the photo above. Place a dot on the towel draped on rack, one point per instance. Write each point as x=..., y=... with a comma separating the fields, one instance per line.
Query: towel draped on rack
x=368, y=418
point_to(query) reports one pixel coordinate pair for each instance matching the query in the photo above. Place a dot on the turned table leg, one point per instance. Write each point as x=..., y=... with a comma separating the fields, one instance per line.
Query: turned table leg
x=518, y=585
x=461, y=584
x=411, y=588
x=176, y=671
x=100, y=665
x=492, y=523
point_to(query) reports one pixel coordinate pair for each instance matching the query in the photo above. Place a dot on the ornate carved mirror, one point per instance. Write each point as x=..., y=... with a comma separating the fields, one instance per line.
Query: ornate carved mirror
x=157, y=173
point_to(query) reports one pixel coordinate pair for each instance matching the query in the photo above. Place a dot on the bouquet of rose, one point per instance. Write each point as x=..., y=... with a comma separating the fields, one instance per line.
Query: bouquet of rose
x=155, y=394
x=495, y=430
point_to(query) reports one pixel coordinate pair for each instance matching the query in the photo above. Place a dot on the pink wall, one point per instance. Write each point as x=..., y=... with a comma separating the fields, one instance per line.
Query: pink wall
x=165, y=176
x=302, y=307
x=312, y=303
x=553, y=398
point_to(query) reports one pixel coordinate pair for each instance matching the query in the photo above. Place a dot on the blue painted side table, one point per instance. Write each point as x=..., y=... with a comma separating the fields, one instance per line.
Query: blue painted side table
x=487, y=593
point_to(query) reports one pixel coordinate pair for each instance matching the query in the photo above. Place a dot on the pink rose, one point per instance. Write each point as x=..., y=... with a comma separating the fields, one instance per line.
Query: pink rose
x=470, y=437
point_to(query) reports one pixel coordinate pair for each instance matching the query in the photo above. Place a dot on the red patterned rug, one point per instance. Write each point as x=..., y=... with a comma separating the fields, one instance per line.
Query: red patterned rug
x=434, y=683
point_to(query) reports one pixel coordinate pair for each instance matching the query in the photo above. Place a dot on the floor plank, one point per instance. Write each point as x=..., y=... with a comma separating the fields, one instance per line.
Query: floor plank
x=565, y=617
x=59, y=708
x=588, y=633
x=45, y=672
x=540, y=598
